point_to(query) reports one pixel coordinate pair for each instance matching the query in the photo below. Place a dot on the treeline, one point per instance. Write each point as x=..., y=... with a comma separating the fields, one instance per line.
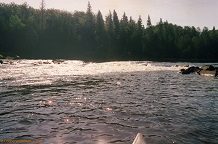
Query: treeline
x=49, y=33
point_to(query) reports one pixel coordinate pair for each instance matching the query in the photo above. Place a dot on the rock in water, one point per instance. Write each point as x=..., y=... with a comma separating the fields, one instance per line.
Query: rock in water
x=189, y=70
x=208, y=67
x=208, y=70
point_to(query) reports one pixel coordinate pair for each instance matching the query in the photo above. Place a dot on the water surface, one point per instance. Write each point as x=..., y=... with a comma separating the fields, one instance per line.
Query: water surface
x=101, y=103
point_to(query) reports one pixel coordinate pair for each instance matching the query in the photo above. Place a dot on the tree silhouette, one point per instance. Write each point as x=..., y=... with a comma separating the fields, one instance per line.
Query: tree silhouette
x=42, y=9
x=116, y=24
x=149, y=22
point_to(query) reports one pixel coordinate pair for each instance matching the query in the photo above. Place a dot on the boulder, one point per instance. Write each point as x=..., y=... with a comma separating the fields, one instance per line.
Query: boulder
x=189, y=70
x=207, y=70
x=1, y=61
x=208, y=67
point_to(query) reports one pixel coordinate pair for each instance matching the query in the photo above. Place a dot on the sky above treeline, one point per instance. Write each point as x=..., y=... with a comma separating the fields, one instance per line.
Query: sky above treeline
x=198, y=13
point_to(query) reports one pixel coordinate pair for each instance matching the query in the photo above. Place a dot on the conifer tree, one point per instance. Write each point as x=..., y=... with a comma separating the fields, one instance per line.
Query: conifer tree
x=116, y=23
x=109, y=24
x=90, y=20
x=139, y=24
x=124, y=19
x=42, y=9
x=124, y=24
x=161, y=22
x=100, y=24
x=89, y=31
x=149, y=22
x=110, y=27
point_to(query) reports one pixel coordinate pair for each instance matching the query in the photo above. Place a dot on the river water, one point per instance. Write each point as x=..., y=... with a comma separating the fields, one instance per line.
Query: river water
x=110, y=102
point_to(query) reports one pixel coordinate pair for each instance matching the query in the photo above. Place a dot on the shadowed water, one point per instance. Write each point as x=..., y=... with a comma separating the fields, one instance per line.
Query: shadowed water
x=101, y=103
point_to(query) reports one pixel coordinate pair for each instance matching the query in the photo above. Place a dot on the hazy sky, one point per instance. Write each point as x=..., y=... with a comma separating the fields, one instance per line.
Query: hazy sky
x=198, y=13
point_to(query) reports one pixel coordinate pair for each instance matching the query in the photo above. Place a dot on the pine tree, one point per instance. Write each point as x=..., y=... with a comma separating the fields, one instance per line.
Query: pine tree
x=161, y=22
x=139, y=23
x=149, y=22
x=100, y=36
x=124, y=35
x=124, y=19
x=109, y=24
x=89, y=9
x=89, y=32
x=110, y=32
x=90, y=20
x=139, y=35
x=100, y=24
x=42, y=9
x=116, y=23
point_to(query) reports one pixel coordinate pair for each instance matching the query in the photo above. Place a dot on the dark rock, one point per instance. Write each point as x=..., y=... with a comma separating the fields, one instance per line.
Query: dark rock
x=189, y=70
x=46, y=62
x=207, y=70
x=57, y=61
x=1, y=61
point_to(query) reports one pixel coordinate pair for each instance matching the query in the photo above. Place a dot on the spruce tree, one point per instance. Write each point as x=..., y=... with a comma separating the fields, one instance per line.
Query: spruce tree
x=89, y=33
x=139, y=24
x=161, y=22
x=90, y=20
x=109, y=24
x=149, y=22
x=100, y=24
x=42, y=9
x=116, y=23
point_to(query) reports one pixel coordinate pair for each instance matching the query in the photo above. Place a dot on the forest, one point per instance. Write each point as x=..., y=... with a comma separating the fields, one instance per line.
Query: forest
x=54, y=34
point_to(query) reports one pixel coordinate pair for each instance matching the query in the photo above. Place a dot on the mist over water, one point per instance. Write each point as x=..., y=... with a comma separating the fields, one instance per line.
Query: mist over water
x=110, y=102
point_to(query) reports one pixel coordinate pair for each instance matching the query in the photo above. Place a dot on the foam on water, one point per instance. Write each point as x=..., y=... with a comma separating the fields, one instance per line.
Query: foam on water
x=26, y=72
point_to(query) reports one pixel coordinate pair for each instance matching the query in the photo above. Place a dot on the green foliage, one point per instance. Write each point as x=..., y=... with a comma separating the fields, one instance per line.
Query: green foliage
x=50, y=33
x=15, y=23
x=1, y=56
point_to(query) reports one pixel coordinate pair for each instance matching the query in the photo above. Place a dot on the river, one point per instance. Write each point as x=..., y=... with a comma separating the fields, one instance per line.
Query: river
x=109, y=102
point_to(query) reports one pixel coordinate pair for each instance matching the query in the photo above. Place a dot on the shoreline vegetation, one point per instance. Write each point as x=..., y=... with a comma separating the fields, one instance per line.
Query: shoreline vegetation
x=54, y=34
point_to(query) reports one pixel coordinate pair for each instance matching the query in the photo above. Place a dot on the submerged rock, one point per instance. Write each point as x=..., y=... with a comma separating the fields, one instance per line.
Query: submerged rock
x=58, y=61
x=46, y=62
